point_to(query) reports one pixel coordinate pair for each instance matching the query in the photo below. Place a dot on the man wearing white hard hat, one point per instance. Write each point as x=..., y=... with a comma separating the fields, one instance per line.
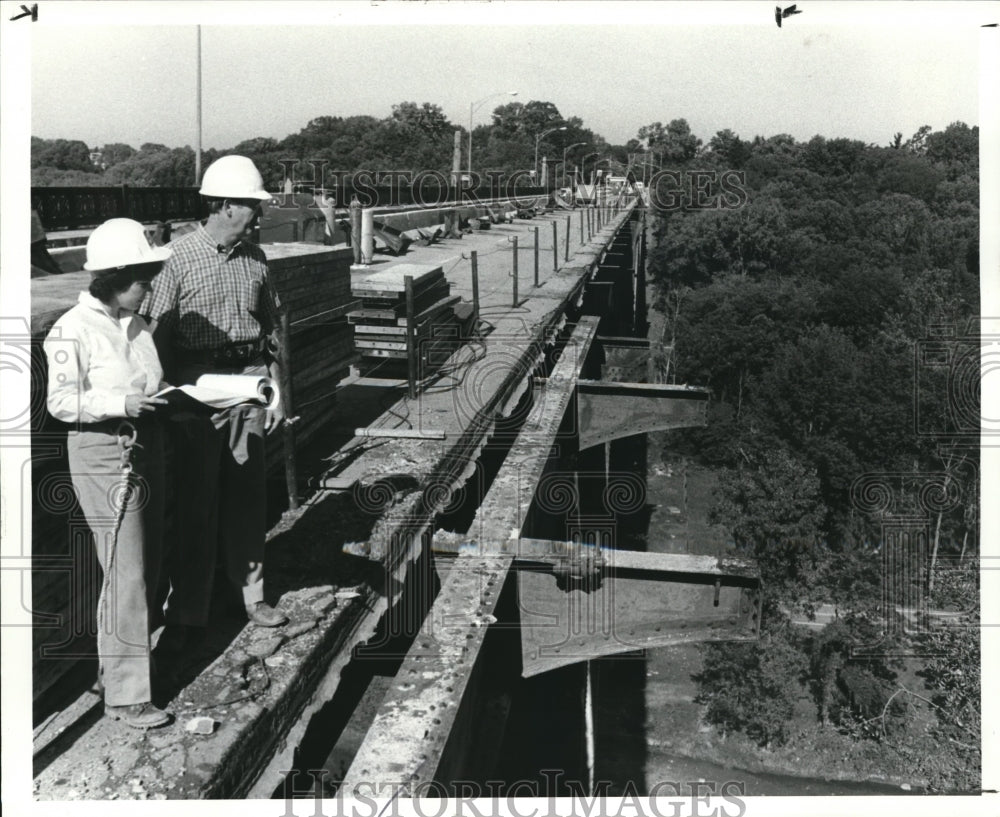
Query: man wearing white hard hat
x=213, y=311
x=103, y=373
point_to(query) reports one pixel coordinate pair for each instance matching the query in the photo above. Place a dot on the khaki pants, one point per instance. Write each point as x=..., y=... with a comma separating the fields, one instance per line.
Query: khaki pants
x=130, y=599
x=220, y=492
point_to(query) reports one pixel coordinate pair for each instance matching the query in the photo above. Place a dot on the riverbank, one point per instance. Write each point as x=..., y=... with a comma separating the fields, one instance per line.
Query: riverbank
x=679, y=744
x=681, y=494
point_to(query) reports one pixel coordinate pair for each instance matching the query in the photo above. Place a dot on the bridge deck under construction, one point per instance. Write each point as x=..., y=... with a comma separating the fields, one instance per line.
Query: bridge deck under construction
x=338, y=565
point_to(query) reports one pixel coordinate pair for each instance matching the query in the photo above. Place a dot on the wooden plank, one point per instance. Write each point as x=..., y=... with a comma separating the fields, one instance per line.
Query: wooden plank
x=339, y=311
x=374, y=308
x=292, y=252
x=447, y=329
x=390, y=280
x=369, y=314
x=372, y=329
x=379, y=344
x=433, y=311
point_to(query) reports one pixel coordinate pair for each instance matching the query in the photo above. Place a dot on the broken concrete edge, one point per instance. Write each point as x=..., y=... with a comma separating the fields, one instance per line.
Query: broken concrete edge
x=247, y=693
x=241, y=765
x=421, y=708
x=359, y=628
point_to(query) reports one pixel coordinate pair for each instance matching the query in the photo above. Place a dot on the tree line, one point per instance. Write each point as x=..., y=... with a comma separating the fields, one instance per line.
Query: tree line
x=413, y=137
x=834, y=317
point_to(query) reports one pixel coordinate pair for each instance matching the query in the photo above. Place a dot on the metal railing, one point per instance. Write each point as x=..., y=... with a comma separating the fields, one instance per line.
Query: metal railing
x=73, y=208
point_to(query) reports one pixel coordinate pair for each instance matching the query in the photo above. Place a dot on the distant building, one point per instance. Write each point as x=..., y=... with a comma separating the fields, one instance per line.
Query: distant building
x=97, y=159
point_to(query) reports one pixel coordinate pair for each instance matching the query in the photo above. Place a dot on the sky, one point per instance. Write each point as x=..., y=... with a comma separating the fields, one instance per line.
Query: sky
x=863, y=71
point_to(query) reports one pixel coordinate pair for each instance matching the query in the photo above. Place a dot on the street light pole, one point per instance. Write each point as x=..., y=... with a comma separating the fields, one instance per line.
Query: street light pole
x=473, y=107
x=583, y=164
x=538, y=140
x=565, y=151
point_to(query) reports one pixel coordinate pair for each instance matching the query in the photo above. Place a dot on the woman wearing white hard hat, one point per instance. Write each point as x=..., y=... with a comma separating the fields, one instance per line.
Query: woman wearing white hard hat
x=103, y=373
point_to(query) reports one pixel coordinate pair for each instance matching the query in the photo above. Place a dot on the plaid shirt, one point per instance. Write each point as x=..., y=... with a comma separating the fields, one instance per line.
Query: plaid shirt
x=211, y=298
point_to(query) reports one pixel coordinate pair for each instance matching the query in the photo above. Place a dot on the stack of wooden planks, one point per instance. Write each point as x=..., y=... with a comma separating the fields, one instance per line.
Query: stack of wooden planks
x=314, y=285
x=380, y=322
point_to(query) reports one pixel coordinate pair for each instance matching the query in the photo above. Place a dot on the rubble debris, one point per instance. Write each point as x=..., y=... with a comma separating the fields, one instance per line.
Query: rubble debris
x=200, y=725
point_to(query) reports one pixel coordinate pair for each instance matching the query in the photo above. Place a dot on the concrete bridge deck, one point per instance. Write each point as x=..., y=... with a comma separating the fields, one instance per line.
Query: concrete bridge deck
x=337, y=562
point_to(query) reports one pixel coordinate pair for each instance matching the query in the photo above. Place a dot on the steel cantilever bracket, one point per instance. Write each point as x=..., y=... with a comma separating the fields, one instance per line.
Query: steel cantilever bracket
x=608, y=411
x=638, y=600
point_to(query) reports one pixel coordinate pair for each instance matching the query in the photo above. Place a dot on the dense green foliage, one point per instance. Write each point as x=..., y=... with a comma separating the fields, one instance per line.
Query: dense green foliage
x=805, y=311
x=414, y=137
x=752, y=687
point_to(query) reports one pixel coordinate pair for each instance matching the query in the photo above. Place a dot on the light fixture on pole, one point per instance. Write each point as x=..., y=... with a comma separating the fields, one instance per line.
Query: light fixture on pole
x=473, y=107
x=565, y=151
x=583, y=164
x=538, y=140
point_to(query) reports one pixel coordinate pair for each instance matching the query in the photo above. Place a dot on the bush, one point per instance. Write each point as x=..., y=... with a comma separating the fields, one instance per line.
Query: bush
x=852, y=692
x=752, y=688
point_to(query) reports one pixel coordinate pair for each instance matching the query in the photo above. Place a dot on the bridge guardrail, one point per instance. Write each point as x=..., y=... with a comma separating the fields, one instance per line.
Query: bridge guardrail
x=72, y=208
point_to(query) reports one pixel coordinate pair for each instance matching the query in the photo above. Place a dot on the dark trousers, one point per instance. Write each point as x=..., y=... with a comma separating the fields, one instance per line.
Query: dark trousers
x=220, y=507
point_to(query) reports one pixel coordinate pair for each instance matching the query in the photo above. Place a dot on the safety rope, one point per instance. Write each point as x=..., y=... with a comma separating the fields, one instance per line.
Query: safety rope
x=127, y=435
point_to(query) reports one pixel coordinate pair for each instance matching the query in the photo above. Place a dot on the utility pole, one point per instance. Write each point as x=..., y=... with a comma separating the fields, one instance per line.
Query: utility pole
x=197, y=154
x=456, y=160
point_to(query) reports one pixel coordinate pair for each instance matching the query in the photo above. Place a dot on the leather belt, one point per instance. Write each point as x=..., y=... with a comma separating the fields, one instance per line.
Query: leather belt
x=232, y=354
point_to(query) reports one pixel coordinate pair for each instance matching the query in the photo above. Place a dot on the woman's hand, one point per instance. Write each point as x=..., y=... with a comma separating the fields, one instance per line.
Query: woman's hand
x=137, y=404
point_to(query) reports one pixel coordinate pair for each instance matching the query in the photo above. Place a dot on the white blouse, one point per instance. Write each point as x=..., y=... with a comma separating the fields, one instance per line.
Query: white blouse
x=96, y=360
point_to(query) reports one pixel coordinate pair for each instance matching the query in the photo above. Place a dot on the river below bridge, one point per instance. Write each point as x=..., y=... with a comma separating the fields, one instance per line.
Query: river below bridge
x=673, y=768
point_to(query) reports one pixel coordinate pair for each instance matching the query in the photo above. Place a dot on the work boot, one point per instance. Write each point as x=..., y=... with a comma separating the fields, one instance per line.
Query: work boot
x=138, y=716
x=264, y=615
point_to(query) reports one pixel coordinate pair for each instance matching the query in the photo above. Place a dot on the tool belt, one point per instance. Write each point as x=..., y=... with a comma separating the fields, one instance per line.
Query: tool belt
x=232, y=354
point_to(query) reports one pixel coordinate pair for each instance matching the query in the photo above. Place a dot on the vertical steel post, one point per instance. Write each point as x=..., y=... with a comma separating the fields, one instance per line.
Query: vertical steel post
x=287, y=432
x=514, y=273
x=536, y=255
x=567, y=237
x=475, y=288
x=411, y=346
x=355, y=216
x=582, y=239
x=555, y=247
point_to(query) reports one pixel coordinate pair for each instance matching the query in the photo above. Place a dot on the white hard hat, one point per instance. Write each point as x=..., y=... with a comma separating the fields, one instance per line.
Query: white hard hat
x=121, y=242
x=233, y=177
